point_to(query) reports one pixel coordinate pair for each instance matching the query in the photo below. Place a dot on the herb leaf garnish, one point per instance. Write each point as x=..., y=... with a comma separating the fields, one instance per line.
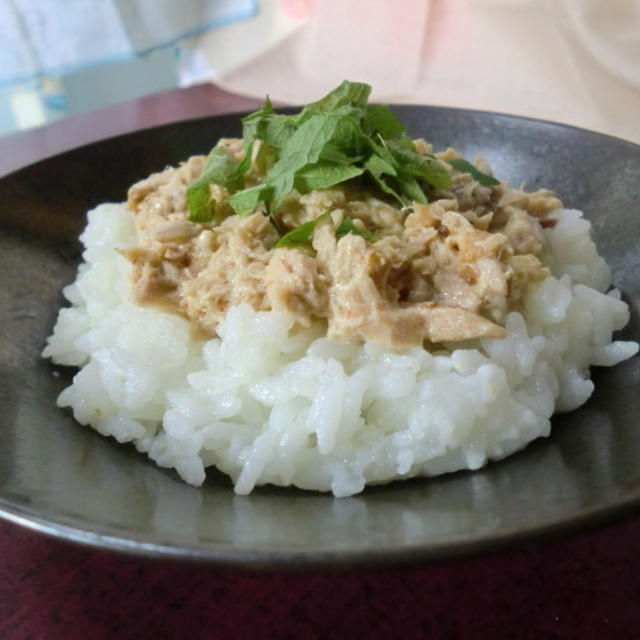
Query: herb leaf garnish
x=323, y=174
x=300, y=236
x=335, y=139
x=347, y=226
x=202, y=207
x=244, y=202
x=220, y=168
x=466, y=167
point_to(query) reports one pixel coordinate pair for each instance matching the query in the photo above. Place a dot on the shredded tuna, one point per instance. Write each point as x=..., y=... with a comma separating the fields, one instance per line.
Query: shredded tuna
x=443, y=272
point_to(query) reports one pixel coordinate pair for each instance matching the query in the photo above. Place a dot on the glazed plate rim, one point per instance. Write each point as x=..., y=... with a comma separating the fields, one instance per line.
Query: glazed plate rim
x=300, y=557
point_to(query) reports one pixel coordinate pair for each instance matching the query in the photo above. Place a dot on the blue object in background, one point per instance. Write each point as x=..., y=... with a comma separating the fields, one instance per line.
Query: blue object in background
x=49, y=50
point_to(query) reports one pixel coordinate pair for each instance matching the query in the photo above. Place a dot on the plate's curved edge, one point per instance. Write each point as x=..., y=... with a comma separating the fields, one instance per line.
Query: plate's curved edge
x=516, y=117
x=113, y=136
x=295, y=108
x=267, y=559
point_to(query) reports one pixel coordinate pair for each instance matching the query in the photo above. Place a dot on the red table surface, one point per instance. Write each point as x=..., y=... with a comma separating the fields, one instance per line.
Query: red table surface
x=584, y=586
x=587, y=586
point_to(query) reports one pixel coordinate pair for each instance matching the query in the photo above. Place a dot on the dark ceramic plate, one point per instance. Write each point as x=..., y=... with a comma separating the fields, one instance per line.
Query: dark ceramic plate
x=66, y=480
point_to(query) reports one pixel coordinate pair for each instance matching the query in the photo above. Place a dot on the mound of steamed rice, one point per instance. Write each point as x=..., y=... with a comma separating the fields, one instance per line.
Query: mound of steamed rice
x=266, y=403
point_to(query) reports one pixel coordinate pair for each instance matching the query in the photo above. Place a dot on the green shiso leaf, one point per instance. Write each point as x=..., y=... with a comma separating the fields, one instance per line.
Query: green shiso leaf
x=378, y=166
x=466, y=167
x=335, y=139
x=304, y=147
x=255, y=123
x=245, y=163
x=301, y=235
x=378, y=118
x=419, y=166
x=411, y=189
x=202, y=207
x=244, y=202
x=350, y=94
x=220, y=168
x=323, y=175
x=347, y=226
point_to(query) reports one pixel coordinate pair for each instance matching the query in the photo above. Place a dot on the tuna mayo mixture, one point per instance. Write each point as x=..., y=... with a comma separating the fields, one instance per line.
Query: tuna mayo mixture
x=448, y=270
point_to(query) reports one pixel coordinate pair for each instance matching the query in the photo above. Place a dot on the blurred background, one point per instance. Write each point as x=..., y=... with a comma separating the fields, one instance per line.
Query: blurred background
x=573, y=61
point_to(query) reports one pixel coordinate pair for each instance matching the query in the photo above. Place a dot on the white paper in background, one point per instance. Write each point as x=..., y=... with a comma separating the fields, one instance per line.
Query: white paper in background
x=374, y=41
x=49, y=37
x=220, y=51
x=573, y=61
x=609, y=31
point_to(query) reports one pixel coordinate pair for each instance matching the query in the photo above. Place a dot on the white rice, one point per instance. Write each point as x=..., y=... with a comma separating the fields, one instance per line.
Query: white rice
x=265, y=404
